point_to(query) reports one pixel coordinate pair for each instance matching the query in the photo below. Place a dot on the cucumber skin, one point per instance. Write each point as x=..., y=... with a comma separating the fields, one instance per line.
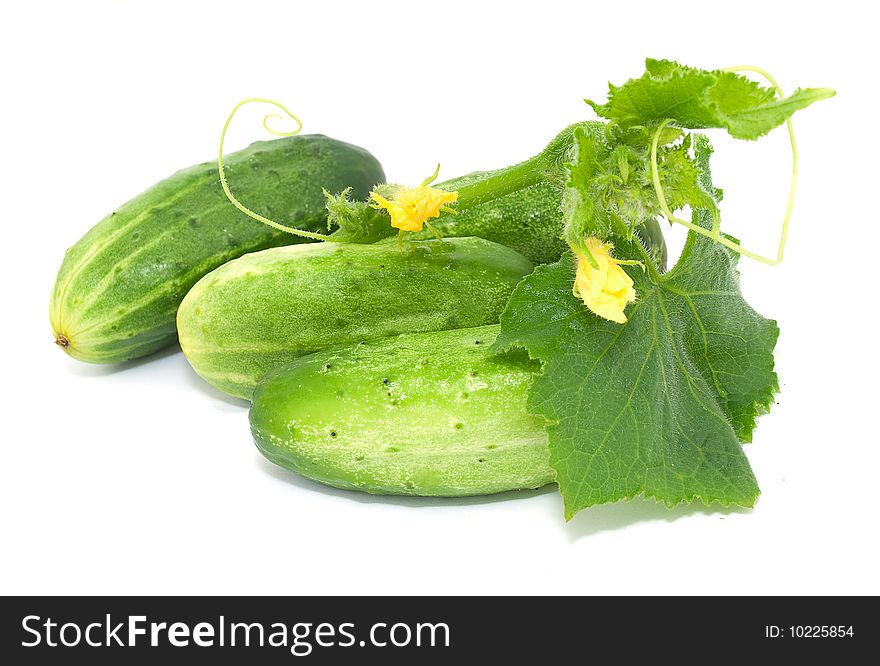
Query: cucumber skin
x=528, y=220
x=266, y=309
x=431, y=414
x=118, y=289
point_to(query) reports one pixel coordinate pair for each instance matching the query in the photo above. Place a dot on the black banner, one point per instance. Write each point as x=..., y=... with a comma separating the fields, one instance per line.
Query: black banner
x=430, y=630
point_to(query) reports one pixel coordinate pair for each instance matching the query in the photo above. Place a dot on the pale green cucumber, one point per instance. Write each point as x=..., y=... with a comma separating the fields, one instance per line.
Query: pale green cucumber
x=118, y=289
x=419, y=414
x=265, y=309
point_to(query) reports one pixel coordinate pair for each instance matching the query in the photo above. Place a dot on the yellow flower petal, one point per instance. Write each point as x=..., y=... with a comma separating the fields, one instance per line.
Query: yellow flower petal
x=605, y=290
x=410, y=207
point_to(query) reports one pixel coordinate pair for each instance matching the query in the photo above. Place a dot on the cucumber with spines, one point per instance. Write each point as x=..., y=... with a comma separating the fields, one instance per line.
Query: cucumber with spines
x=527, y=220
x=519, y=206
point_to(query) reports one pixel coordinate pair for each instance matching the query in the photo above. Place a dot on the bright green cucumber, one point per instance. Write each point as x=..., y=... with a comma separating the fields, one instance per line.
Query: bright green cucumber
x=117, y=293
x=420, y=414
x=265, y=309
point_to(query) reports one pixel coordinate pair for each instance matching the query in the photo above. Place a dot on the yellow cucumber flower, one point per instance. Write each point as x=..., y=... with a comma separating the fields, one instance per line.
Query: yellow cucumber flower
x=411, y=207
x=605, y=288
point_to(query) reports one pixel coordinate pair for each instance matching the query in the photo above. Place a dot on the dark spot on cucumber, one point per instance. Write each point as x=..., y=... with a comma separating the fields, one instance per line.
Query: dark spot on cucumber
x=458, y=425
x=193, y=222
x=333, y=433
x=359, y=458
x=481, y=460
x=489, y=447
x=472, y=373
x=327, y=366
x=463, y=396
x=477, y=342
x=410, y=485
x=392, y=449
x=386, y=381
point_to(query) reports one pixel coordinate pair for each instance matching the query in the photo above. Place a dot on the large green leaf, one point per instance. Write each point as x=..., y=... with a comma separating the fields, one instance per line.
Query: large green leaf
x=697, y=99
x=657, y=406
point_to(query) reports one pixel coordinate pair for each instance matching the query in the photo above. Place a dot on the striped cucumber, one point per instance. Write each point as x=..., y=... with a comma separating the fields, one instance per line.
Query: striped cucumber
x=118, y=289
x=265, y=309
x=419, y=414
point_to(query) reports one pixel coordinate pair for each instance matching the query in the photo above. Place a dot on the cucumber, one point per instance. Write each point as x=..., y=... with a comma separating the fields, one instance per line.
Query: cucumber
x=528, y=220
x=419, y=414
x=519, y=206
x=265, y=309
x=118, y=289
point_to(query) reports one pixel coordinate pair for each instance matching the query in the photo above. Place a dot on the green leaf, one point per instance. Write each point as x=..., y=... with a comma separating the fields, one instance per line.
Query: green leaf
x=697, y=99
x=657, y=406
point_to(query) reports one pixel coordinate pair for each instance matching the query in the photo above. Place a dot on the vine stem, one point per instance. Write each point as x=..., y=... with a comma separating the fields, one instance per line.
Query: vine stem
x=715, y=233
x=235, y=202
x=503, y=182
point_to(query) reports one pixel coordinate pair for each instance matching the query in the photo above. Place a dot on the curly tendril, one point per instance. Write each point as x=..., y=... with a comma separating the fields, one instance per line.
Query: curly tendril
x=235, y=202
x=715, y=233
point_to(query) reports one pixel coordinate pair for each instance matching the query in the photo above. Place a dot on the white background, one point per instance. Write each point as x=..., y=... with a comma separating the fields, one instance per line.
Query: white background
x=142, y=479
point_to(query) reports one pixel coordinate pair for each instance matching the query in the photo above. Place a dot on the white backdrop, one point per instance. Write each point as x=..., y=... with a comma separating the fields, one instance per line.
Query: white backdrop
x=143, y=479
